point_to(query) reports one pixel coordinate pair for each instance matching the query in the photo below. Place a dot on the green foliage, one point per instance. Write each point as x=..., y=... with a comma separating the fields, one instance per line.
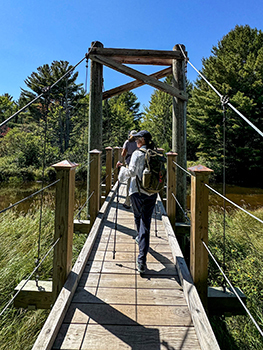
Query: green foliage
x=244, y=256
x=120, y=115
x=19, y=245
x=157, y=119
x=235, y=69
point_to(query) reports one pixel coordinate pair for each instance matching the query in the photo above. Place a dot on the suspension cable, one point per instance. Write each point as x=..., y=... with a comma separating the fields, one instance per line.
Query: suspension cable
x=83, y=206
x=233, y=289
x=236, y=205
x=224, y=101
x=187, y=172
x=221, y=96
x=47, y=100
x=48, y=88
x=30, y=196
x=35, y=269
x=187, y=218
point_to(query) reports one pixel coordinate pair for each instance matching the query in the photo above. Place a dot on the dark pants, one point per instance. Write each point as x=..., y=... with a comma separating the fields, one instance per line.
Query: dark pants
x=143, y=206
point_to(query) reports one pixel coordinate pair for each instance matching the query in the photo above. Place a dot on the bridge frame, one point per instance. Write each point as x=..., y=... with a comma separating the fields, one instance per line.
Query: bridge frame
x=116, y=59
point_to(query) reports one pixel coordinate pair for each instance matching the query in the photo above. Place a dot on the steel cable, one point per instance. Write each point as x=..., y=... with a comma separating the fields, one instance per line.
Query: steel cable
x=35, y=269
x=233, y=289
x=221, y=96
x=30, y=196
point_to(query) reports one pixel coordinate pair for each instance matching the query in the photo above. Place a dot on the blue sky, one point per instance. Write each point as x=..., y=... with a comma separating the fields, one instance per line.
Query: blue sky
x=34, y=33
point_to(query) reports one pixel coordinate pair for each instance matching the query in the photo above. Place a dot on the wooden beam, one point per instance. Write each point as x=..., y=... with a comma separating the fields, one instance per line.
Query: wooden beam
x=199, y=229
x=34, y=296
x=134, y=84
x=65, y=196
x=137, y=56
x=179, y=134
x=140, y=76
x=204, y=331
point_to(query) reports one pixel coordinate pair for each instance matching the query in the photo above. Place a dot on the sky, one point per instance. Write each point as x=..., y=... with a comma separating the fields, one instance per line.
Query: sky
x=34, y=33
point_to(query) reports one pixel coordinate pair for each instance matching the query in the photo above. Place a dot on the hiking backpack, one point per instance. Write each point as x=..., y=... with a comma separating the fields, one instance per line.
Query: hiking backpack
x=154, y=173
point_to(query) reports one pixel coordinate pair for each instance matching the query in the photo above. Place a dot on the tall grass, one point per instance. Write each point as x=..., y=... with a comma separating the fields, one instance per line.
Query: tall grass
x=19, y=234
x=244, y=268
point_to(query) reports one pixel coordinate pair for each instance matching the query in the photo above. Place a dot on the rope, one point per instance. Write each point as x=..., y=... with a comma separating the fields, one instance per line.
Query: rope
x=187, y=172
x=219, y=194
x=35, y=269
x=31, y=195
x=233, y=290
x=187, y=218
x=221, y=96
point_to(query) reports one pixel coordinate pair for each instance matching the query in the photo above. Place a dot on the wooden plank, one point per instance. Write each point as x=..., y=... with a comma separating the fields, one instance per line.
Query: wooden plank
x=134, y=84
x=34, y=296
x=102, y=313
x=114, y=337
x=52, y=325
x=82, y=226
x=163, y=315
x=222, y=302
x=201, y=323
x=161, y=297
x=168, y=282
x=135, y=56
x=104, y=295
x=140, y=76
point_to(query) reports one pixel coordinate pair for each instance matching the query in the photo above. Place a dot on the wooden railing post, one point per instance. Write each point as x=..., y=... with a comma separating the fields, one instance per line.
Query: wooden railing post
x=116, y=158
x=95, y=170
x=108, y=170
x=64, y=212
x=199, y=229
x=171, y=187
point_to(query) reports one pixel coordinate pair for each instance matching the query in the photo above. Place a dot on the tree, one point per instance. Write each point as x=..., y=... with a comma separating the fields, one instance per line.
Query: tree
x=60, y=101
x=235, y=68
x=7, y=108
x=120, y=115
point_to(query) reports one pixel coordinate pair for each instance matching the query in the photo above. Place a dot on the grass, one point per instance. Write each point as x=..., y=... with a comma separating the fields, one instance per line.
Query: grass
x=244, y=268
x=19, y=248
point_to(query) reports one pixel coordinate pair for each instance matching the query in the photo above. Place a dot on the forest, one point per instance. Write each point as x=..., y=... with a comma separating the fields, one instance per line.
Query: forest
x=55, y=126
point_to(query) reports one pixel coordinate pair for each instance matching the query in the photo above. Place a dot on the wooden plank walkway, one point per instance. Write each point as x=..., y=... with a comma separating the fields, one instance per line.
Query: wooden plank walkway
x=114, y=307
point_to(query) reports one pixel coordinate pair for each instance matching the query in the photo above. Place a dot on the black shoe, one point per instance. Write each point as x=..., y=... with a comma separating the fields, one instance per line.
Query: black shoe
x=141, y=267
x=126, y=206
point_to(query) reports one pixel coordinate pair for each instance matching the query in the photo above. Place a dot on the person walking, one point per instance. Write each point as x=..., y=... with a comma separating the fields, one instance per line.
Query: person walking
x=129, y=147
x=142, y=202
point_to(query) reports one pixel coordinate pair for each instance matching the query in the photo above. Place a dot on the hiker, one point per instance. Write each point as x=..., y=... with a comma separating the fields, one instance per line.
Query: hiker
x=142, y=201
x=129, y=147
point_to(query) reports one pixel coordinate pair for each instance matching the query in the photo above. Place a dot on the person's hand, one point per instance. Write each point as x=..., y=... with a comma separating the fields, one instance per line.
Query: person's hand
x=119, y=164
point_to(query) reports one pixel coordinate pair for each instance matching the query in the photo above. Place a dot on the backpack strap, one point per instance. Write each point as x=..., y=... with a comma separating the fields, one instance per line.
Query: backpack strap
x=143, y=150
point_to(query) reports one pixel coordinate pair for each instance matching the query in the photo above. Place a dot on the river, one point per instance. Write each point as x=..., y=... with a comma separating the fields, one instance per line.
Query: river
x=249, y=198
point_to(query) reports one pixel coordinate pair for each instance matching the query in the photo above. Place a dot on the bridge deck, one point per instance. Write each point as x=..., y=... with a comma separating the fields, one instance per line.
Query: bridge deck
x=114, y=307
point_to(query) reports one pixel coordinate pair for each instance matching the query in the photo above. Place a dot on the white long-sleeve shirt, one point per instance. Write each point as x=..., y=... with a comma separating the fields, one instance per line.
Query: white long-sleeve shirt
x=136, y=167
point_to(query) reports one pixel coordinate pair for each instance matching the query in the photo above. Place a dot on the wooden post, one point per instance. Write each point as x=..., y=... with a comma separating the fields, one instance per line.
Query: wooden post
x=64, y=212
x=199, y=229
x=94, y=202
x=179, y=131
x=116, y=158
x=108, y=170
x=171, y=187
x=95, y=111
